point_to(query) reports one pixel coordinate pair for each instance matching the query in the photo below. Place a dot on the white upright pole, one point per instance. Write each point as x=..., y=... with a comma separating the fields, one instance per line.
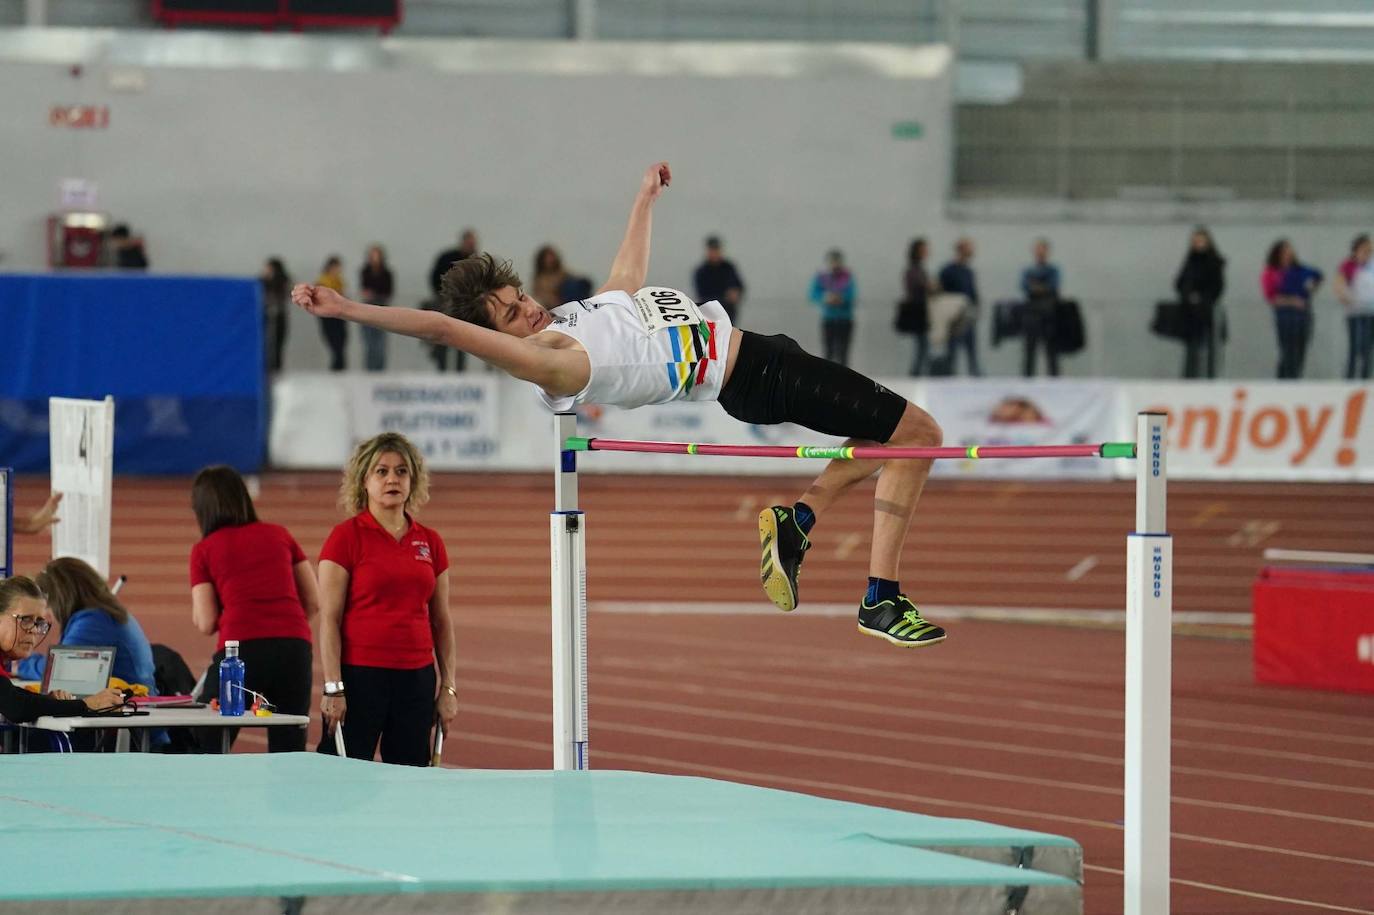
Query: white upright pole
x=567, y=529
x=1149, y=667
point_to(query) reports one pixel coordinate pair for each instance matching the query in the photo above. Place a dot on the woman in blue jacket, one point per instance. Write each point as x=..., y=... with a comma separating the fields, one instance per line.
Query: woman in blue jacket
x=88, y=613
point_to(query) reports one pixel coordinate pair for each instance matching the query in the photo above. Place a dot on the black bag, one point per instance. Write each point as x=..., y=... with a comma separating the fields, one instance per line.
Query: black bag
x=173, y=677
x=1008, y=319
x=1068, y=327
x=1170, y=321
x=912, y=317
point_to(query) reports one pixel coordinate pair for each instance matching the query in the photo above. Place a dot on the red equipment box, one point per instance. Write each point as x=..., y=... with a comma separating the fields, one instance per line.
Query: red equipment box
x=1315, y=628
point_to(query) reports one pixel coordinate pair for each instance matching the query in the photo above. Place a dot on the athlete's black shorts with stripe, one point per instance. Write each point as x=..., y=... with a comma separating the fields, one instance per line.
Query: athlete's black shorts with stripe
x=776, y=381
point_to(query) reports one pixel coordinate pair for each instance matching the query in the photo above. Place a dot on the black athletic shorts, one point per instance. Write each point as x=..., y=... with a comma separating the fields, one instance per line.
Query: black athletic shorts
x=776, y=381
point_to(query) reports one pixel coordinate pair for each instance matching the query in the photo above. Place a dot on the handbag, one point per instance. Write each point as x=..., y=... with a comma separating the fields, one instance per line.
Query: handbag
x=1170, y=321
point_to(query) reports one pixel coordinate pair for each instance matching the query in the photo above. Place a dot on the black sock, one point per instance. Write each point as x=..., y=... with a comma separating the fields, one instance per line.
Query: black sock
x=806, y=518
x=880, y=589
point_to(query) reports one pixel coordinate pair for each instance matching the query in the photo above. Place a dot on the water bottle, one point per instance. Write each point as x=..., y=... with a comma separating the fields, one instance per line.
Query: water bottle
x=231, y=681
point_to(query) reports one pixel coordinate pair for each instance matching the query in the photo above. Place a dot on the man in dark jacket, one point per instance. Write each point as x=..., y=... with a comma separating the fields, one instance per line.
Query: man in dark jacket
x=467, y=246
x=717, y=279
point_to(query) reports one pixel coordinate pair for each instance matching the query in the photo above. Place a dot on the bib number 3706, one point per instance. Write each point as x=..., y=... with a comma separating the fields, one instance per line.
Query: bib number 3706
x=659, y=307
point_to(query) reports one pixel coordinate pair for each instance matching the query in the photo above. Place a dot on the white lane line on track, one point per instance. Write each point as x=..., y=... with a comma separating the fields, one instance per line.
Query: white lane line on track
x=1081, y=568
x=758, y=698
x=1236, y=891
x=660, y=764
x=997, y=614
x=949, y=770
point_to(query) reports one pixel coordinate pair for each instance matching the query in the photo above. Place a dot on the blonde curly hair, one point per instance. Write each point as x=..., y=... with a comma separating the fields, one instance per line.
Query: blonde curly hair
x=353, y=489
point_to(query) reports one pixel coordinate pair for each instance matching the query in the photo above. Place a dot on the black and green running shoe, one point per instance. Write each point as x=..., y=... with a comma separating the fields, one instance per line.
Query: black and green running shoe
x=783, y=545
x=899, y=622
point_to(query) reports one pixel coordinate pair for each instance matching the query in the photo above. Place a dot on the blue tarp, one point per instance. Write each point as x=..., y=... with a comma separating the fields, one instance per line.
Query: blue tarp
x=183, y=357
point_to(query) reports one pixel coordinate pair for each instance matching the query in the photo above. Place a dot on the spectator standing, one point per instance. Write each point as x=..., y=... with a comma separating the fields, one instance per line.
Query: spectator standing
x=129, y=253
x=957, y=277
x=1354, y=286
x=467, y=246
x=716, y=279
x=384, y=610
x=1288, y=286
x=23, y=625
x=335, y=331
x=549, y=275
x=377, y=285
x=833, y=291
x=1040, y=286
x=276, y=287
x=1200, y=282
x=913, y=312
x=251, y=582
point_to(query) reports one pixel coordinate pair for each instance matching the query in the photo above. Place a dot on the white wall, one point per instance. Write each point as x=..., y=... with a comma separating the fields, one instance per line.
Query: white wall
x=784, y=150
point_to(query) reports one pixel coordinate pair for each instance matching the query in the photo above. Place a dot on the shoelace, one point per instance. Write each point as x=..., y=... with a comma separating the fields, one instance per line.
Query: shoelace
x=914, y=618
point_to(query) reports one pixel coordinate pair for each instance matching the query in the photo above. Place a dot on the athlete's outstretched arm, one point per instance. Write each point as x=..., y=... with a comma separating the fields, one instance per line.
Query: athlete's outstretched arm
x=557, y=371
x=632, y=260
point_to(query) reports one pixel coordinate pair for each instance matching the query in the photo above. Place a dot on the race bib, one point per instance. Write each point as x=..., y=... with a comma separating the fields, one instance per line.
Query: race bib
x=659, y=307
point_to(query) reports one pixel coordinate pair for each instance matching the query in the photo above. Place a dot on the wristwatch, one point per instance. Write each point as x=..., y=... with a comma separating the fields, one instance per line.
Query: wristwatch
x=333, y=687
x=451, y=691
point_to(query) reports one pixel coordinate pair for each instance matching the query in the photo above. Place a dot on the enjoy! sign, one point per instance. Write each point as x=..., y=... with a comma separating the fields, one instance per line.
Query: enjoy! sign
x=1262, y=430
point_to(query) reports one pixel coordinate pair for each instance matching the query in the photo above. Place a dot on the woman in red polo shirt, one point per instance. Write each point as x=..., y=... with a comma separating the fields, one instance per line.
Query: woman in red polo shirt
x=384, y=619
x=250, y=581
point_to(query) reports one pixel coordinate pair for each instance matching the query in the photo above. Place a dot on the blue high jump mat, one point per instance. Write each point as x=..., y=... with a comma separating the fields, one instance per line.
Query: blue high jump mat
x=300, y=832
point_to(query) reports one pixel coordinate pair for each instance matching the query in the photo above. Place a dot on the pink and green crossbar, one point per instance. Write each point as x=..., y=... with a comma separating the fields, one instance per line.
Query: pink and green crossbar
x=859, y=452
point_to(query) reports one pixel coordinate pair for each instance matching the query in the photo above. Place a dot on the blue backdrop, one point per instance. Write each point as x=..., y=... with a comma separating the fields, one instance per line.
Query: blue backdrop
x=183, y=357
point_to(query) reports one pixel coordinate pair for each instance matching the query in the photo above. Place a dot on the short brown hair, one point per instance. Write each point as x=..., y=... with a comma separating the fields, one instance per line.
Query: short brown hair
x=470, y=283
x=71, y=585
x=11, y=589
x=220, y=499
x=353, y=489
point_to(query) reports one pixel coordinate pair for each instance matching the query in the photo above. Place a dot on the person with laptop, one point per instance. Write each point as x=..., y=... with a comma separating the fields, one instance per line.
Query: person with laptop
x=89, y=614
x=23, y=625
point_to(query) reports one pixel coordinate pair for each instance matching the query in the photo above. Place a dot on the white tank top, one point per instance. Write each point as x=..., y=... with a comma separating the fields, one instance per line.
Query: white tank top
x=653, y=347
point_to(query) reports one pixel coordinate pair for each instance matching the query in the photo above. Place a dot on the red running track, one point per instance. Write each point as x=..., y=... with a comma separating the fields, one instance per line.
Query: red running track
x=1009, y=722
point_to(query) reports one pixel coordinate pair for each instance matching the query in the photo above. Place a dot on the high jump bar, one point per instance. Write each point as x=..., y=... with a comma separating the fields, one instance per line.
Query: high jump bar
x=859, y=452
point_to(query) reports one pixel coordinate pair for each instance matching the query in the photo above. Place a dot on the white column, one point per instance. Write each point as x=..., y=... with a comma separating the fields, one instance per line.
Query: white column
x=1149, y=666
x=567, y=533
x=583, y=19
x=36, y=12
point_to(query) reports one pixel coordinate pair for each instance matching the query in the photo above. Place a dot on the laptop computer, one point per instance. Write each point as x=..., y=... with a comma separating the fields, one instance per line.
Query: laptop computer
x=81, y=670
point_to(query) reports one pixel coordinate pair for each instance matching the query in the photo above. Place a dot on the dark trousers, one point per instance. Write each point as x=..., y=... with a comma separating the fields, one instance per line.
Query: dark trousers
x=280, y=670
x=920, y=354
x=966, y=339
x=1294, y=328
x=836, y=336
x=1037, y=330
x=1200, y=346
x=275, y=336
x=335, y=331
x=439, y=356
x=395, y=707
x=1361, y=329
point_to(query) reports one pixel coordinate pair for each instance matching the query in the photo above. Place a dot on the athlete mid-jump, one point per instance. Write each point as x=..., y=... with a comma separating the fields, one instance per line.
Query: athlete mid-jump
x=631, y=346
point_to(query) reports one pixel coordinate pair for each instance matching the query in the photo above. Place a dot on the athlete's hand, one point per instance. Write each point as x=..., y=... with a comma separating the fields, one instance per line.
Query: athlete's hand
x=657, y=177
x=320, y=301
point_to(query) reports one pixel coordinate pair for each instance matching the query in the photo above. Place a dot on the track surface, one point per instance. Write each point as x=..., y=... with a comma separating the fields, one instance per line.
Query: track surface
x=1009, y=722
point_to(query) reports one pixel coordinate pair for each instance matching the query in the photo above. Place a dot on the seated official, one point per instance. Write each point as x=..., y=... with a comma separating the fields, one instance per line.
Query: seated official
x=23, y=625
x=88, y=613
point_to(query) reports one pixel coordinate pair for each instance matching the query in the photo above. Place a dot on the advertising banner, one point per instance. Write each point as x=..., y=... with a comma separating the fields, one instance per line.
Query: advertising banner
x=454, y=420
x=1024, y=412
x=1265, y=430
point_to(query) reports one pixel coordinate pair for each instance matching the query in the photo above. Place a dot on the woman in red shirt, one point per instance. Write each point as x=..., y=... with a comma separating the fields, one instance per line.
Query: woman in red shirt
x=250, y=581
x=384, y=618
